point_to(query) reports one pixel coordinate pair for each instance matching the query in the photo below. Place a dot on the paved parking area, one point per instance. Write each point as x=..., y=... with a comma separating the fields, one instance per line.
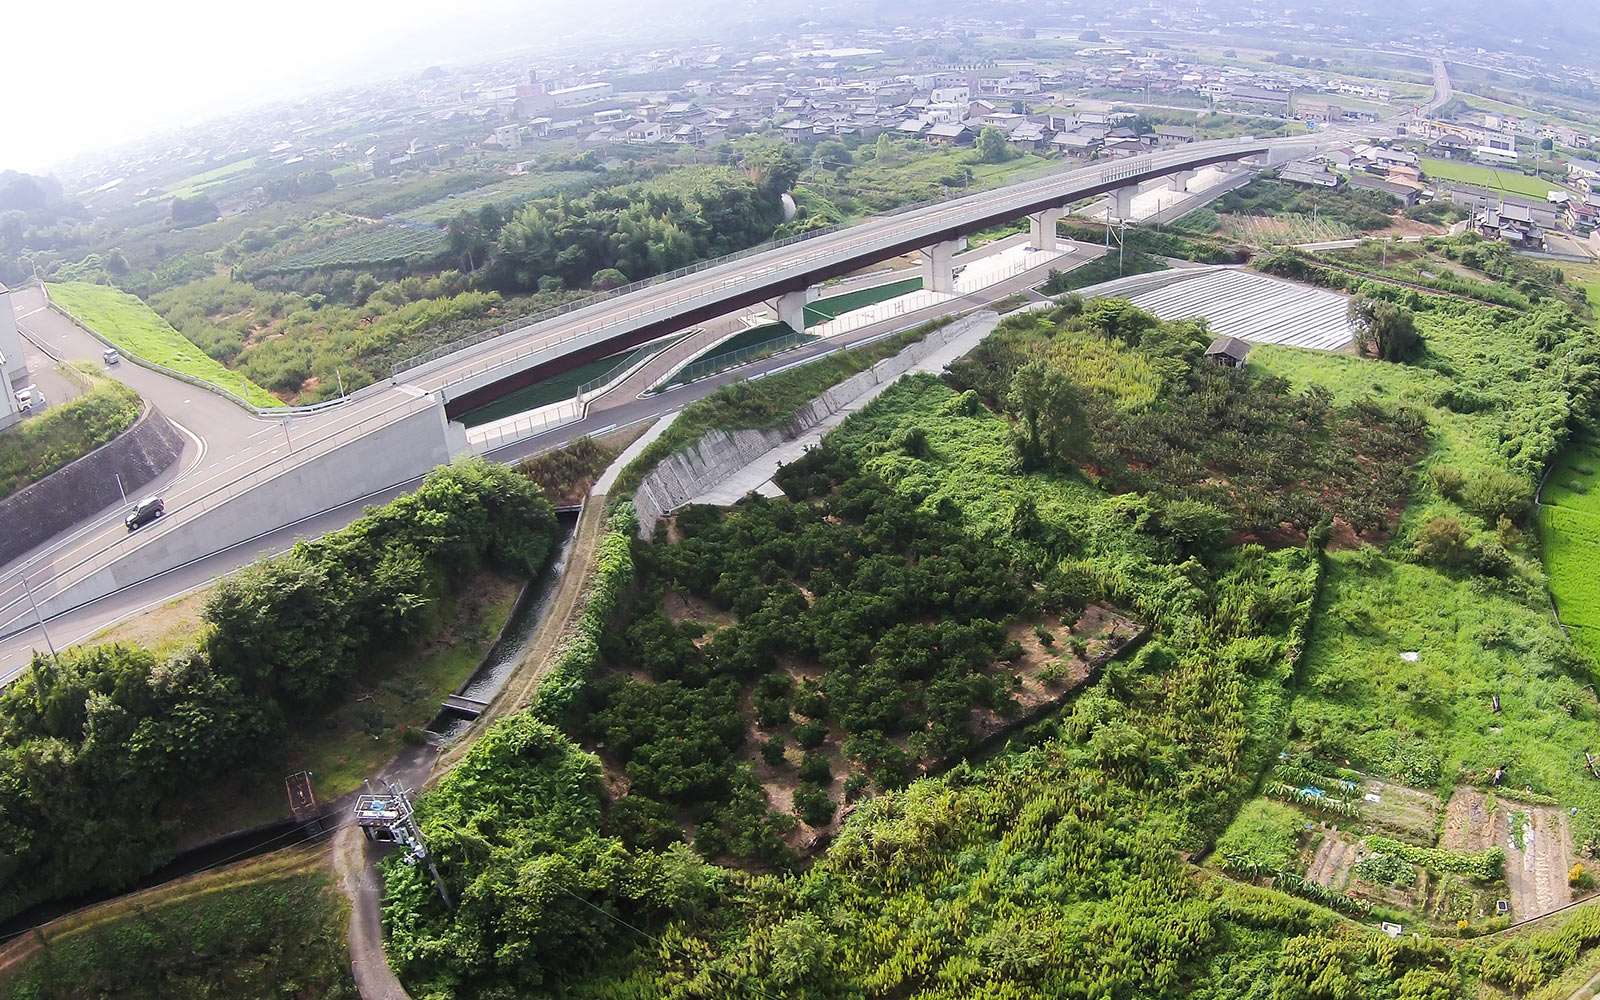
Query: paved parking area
x=1256, y=308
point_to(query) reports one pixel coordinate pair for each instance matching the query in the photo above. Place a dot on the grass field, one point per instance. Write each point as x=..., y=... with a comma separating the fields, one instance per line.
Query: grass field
x=825, y=309
x=138, y=331
x=1507, y=181
x=199, y=183
x=270, y=928
x=741, y=347
x=1569, y=536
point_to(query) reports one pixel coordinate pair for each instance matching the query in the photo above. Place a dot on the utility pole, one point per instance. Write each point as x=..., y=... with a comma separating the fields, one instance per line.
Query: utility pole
x=390, y=817
x=120, y=489
x=29, y=592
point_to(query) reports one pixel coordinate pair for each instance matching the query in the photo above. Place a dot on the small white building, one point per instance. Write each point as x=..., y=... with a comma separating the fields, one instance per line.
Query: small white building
x=14, y=367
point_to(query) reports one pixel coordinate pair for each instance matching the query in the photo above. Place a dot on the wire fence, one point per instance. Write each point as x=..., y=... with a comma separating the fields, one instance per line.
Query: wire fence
x=489, y=437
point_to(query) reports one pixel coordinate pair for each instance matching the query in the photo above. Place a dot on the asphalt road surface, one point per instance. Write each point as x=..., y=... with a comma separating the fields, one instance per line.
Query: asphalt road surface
x=618, y=409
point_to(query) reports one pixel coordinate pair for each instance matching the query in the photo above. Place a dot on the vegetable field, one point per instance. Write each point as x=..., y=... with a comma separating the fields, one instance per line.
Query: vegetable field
x=505, y=193
x=381, y=244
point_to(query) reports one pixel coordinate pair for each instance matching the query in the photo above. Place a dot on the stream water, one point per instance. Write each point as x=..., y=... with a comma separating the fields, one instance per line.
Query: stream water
x=503, y=658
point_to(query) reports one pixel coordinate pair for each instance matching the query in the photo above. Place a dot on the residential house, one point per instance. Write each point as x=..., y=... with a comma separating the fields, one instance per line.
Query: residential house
x=1407, y=195
x=1580, y=216
x=1585, y=173
x=1174, y=135
x=1308, y=174
x=644, y=133
x=950, y=134
x=1074, y=144
x=1028, y=136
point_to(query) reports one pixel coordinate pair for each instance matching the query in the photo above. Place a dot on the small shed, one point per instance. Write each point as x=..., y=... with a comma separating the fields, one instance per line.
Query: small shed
x=1229, y=351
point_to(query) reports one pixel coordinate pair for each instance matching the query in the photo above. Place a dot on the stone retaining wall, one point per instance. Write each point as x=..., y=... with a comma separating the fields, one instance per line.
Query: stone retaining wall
x=69, y=495
x=719, y=454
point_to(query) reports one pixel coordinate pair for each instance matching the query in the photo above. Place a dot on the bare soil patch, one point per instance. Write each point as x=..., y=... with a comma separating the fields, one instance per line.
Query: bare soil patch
x=1333, y=860
x=1468, y=825
x=162, y=629
x=681, y=607
x=1536, y=872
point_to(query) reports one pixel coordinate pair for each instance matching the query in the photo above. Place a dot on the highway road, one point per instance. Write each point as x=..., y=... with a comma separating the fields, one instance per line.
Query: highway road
x=230, y=444
x=621, y=407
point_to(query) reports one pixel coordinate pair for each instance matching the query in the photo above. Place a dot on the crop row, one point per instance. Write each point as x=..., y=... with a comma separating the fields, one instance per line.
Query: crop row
x=377, y=245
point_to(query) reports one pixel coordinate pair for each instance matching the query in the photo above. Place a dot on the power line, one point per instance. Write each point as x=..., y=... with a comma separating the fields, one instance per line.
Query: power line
x=662, y=944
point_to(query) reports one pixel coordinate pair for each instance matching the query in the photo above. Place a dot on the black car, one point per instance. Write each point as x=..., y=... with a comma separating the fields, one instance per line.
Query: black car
x=147, y=510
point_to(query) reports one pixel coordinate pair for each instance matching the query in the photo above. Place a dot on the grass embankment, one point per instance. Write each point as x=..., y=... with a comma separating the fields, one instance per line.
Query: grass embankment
x=62, y=434
x=746, y=405
x=834, y=306
x=385, y=709
x=1569, y=530
x=269, y=929
x=138, y=331
x=1506, y=181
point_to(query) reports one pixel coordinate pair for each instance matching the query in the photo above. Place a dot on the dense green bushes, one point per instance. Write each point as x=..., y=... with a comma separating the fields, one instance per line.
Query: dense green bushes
x=97, y=742
x=516, y=828
x=1357, y=208
x=64, y=433
x=613, y=571
x=642, y=230
x=1230, y=439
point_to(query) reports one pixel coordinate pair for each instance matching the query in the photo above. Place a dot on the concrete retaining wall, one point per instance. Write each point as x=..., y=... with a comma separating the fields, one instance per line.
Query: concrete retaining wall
x=394, y=454
x=719, y=454
x=70, y=494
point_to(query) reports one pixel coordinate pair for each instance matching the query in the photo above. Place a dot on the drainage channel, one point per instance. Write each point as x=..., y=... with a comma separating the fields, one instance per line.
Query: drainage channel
x=472, y=697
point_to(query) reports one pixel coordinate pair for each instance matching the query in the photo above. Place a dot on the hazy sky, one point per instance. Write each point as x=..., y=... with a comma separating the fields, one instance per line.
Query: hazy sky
x=86, y=76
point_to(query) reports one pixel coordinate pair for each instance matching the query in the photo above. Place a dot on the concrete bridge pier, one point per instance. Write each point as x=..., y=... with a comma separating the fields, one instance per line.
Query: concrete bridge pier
x=1042, y=228
x=1179, y=181
x=1122, y=203
x=791, y=307
x=938, y=272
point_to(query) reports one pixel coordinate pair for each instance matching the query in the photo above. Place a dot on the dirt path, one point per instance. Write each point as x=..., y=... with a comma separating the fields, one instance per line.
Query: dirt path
x=356, y=867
